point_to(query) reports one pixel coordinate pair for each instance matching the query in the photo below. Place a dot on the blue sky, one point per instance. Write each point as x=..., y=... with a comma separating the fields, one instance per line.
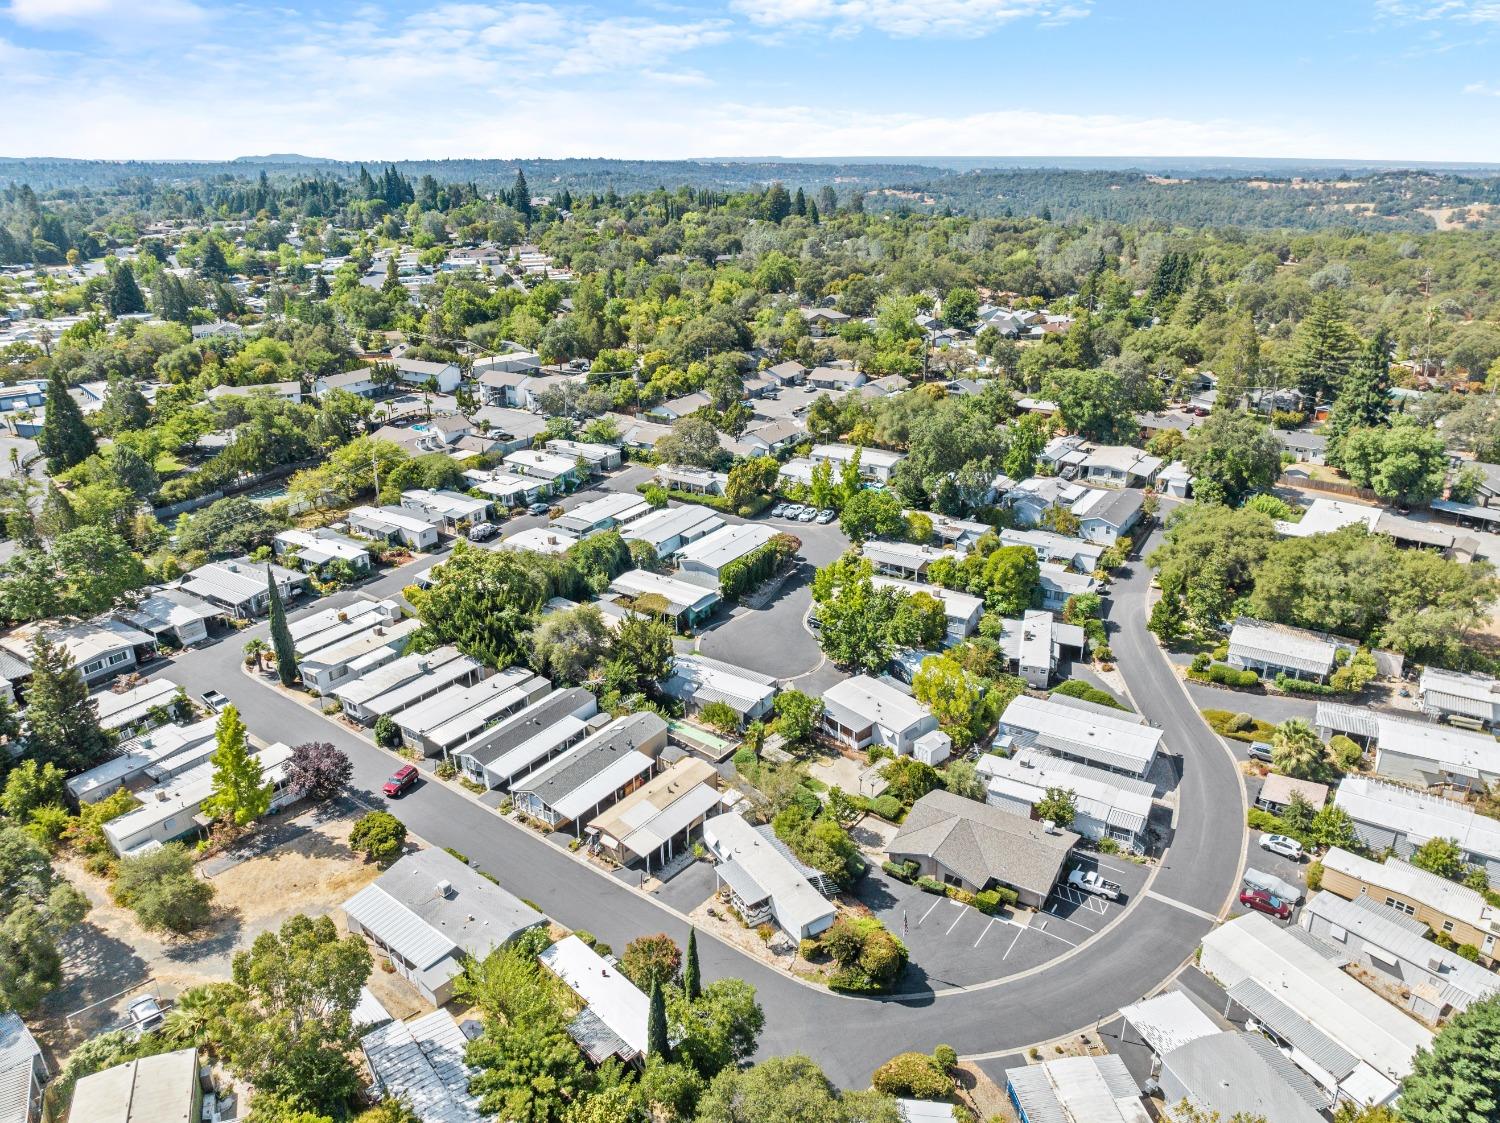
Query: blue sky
x=1337, y=79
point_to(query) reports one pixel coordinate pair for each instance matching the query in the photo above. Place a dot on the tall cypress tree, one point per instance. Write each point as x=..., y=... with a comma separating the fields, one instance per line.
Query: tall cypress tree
x=65, y=439
x=63, y=723
x=692, y=979
x=281, y=636
x=520, y=195
x=656, y=1025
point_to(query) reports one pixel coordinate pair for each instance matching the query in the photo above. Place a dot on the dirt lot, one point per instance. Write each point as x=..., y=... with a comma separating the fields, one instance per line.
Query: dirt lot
x=301, y=865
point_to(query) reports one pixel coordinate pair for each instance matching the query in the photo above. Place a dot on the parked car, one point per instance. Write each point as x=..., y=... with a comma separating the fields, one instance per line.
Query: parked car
x=402, y=781
x=214, y=700
x=826, y=517
x=792, y=510
x=145, y=1014
x=1280, y=844
x=778, y=510
x=1259, y=750
x=1268, y=903
x=1089, y=881
x=537, y=509
x=482, y=532
x=807, y=515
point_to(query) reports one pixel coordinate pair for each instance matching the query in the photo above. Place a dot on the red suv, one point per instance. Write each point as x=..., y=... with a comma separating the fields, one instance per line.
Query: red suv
x=401, y=780
x=1261, y=901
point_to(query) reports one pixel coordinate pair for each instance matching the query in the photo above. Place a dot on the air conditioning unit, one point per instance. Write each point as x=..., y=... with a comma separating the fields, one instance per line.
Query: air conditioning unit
x=445, y=888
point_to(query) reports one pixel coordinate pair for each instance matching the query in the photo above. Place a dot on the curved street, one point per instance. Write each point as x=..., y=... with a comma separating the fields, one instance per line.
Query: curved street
x=849, y=1037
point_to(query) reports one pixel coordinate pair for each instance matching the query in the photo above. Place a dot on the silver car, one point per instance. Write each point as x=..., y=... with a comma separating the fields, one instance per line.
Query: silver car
x=808, y=515
x=793, y=510
x=826, y=517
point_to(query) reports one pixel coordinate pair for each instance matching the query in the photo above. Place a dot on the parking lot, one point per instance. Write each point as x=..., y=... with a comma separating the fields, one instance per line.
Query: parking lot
x=955, y=945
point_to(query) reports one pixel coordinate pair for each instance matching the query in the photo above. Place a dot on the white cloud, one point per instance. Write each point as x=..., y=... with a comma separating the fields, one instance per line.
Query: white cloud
x=88, y=14
x=904, y=19
x=1488, y=89
x=1427, y=11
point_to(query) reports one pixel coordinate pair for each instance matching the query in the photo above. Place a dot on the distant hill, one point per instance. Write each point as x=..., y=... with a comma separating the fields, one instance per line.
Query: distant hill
x=285, y=158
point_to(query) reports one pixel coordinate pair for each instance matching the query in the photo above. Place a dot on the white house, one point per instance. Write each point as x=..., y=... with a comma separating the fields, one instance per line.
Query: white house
x=543, y=465
x=1301, y=975
x=600, y=458
x=875, y=464
x=171, y=810
x=615, y=1011
x=1109, y=805
x=589, y=777
x=703, y=561
x=416, y=372
x=318, y=550
x=1387, y=816
x=605, y=513
x=686, y=603
x=698, y=680
x=1451, y=694
x=448, y=510
x=393, y=524
x=961, y=610
x=863, y=711
x=669, y=529
x=765, y=880
x=404, y=682
x=1115, y=740
x=1273, y=649
x=100, y=649
x=1435, y=755
x=429, y=912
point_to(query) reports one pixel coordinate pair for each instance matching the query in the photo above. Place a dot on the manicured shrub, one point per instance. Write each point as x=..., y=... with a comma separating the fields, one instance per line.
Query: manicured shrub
x=901, y=871
x=913, y=1076
x=932, y=885
x=387, y=733
x=888, y=807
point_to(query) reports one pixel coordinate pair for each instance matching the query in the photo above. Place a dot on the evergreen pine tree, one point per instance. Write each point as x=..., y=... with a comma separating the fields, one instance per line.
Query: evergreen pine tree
x=828, y=201
x=320, y=289
x=124, y=294
x=520, y=195
x=63, y=723
x=692, y=978
x=1364, y=398
x=799, y=203
x=240, y=793
x=812, y=213
x=392, y=284
x=213, y=264
x=656, y=1025
x=65, y=439
x=172, y=301
x=1325, y=346
x=281, y=636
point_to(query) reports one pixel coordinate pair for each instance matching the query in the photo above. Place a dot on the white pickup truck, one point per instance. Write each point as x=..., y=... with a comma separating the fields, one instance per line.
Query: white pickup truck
x=1089, y=881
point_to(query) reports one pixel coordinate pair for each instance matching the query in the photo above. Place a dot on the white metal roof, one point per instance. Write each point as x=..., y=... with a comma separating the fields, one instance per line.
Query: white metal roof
x=1417, y=885
x=798, y=905
x=672, y=522
x=1077, y=1090
x=1417, y=815
x=680, y=595
x=1106, y=797
x=427, y=716
x=1117, y=740
x=1282, y=646
x=117, y=710
x=400, y=929
x=956, y=605
x=727, y=544
x=1169, y=1020
x=708, y=680
x=1254, y=947
x=398, y=673
x=877, y=702
x=617, y=506
x=157, y=1089
x=422, y=1062
x=1457, y=750
x=617, y=1001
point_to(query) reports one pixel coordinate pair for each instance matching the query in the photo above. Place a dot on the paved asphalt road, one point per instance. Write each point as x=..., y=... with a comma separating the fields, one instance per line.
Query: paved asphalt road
x=848, y=1036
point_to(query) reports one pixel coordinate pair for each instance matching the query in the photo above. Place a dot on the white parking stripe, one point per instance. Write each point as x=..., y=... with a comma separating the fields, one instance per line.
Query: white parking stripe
x=956, y=921
x=1013, y=944
x=986, y=932
x=928, y=913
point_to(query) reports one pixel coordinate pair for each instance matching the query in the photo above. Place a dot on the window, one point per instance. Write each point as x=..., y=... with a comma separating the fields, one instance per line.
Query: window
x=1447, y=926
x=1400, y=906
x=92, y=666
x=118, y=657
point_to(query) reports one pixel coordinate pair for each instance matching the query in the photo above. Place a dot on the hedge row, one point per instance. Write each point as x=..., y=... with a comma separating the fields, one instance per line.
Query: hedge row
x=1222, y=674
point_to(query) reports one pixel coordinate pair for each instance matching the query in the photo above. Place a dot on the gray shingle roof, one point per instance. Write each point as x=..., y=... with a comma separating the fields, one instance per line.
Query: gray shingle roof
x=979, y=843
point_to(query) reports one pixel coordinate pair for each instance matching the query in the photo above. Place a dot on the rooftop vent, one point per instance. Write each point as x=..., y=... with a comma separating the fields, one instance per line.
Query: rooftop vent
x=445, y=888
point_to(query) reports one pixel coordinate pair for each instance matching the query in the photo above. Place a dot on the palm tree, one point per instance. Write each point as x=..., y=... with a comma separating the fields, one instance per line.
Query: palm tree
x=255, y=650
